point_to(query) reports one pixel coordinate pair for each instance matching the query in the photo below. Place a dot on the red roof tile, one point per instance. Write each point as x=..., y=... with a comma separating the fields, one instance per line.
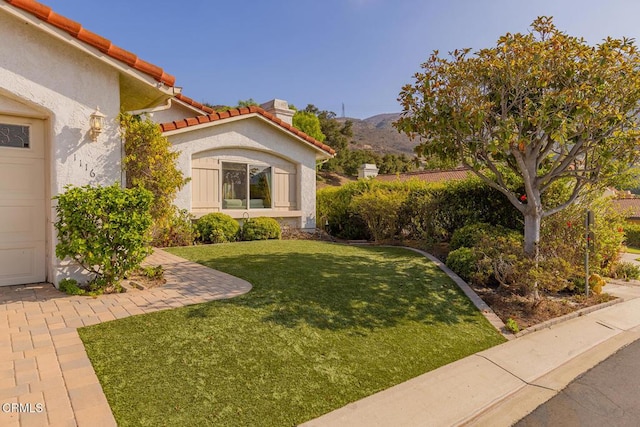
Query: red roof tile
x=235, y=112
x=193, y=103
x=429, y=176
x=76, y=30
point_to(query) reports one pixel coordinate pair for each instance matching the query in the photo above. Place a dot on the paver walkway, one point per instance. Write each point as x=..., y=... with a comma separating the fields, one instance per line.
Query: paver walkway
x=46, y=377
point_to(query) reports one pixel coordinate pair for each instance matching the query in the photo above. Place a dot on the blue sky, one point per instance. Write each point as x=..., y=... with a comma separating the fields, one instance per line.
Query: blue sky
x=323, y=52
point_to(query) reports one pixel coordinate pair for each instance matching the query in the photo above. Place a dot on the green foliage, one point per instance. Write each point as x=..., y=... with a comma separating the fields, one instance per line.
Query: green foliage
x=471, y=234
x=153, y=273
x=379, y=209
x=463, y=262
x=395, y=163
x=150, y=163
x=626, y=271
x=334, y=206
x=247, y=103
x=563, y=234
x=429, y=211
x=70, y=287
x=309, y=124
x=632, y=235
x=512, y=326
x=454, y=204
x=217, y=228
x=175, y=229
x=542, y=105
x=261, y=228
x=104, y=230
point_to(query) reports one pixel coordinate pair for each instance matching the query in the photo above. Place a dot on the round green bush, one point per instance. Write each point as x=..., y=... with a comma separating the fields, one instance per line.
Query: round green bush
x=261, y=228
x=217, y=228
x=463, y=262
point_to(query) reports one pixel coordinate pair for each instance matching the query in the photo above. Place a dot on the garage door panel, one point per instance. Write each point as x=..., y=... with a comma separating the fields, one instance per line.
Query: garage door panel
x=21, y=265
x=21, y=223
x=21, y=178
x=22, y=202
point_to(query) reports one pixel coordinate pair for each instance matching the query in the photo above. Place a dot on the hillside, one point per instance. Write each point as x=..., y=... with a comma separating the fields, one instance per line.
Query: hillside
x=377, y=133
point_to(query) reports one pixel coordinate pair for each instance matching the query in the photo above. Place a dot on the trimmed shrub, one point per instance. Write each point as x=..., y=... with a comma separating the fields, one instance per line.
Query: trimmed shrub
x=176, y=229
x=379, y=209
x=217, y=228
x=430, y=211
x=334, y=208
x=261, y=228
x=632, y=235
x=463, y=261
x=104, y=230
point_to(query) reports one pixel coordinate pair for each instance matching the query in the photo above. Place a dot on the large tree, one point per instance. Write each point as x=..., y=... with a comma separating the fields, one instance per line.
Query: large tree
x=544, y=107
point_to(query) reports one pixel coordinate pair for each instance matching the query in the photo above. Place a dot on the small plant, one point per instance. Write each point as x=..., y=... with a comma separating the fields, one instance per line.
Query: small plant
x=217, y=228
x=70, y=287
x=153, y=273
x=261, y=228
x=625, y=270
x=512, y=326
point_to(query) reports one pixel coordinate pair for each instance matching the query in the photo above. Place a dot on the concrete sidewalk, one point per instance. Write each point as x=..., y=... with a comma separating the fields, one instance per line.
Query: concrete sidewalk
x=499, y=386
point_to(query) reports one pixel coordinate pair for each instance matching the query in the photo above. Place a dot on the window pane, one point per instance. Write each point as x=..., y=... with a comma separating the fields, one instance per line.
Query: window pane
x=14, y=136
x=234, y=185
x=260, y=187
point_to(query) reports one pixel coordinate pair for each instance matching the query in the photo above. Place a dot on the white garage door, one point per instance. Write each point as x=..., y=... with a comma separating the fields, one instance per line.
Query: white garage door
x=22, y=208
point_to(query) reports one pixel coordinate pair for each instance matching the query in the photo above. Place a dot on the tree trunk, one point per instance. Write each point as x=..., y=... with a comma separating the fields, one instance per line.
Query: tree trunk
x=532, y=220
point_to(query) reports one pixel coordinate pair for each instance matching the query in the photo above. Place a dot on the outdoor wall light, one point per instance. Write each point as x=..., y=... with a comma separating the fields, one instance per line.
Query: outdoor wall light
x=96, y=122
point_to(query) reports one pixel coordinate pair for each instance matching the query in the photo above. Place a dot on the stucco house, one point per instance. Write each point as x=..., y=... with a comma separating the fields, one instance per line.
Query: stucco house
x=53, y=75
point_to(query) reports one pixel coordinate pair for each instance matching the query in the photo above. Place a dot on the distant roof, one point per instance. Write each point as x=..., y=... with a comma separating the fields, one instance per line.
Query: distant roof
x=76, y=30
x=631, y=206
x=215, y=116
x=457, y=174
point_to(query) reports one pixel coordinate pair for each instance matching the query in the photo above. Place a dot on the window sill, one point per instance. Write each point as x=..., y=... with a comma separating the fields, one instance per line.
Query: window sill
x=254, y=213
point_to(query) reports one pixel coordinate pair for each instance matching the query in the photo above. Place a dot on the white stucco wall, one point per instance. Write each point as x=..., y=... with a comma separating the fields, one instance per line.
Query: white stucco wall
x=251, y=133
x=64, y=85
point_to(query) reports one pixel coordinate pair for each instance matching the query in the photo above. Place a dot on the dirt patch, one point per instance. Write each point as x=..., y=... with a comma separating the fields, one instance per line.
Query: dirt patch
x=526, y=312
x=145, y=278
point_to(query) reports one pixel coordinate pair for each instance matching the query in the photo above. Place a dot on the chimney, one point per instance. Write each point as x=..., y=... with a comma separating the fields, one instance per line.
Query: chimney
x=367, y=170
x=280, y=109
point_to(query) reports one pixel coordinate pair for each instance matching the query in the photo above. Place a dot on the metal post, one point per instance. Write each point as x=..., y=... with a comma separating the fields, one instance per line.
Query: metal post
x=587, y=223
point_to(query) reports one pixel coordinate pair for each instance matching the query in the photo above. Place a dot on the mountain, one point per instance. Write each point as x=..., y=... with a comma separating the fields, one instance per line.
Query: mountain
x=377, y=134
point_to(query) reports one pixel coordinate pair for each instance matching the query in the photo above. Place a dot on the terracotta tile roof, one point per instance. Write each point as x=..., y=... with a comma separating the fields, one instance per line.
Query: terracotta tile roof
x=105, y=46
x=429, y=176
x=234, y=112
x=195, y=104
x=630, y=206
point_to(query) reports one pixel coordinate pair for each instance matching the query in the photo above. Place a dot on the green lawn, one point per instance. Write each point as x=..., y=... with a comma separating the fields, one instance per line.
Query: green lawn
x=324, y=325
x=632, y=250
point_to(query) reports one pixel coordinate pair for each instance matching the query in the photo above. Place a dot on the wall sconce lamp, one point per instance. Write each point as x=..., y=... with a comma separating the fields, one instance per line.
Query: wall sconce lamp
x=96, y=122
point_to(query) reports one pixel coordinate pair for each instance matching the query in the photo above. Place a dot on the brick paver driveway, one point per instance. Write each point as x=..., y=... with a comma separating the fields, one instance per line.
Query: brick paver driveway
x=46, y=377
